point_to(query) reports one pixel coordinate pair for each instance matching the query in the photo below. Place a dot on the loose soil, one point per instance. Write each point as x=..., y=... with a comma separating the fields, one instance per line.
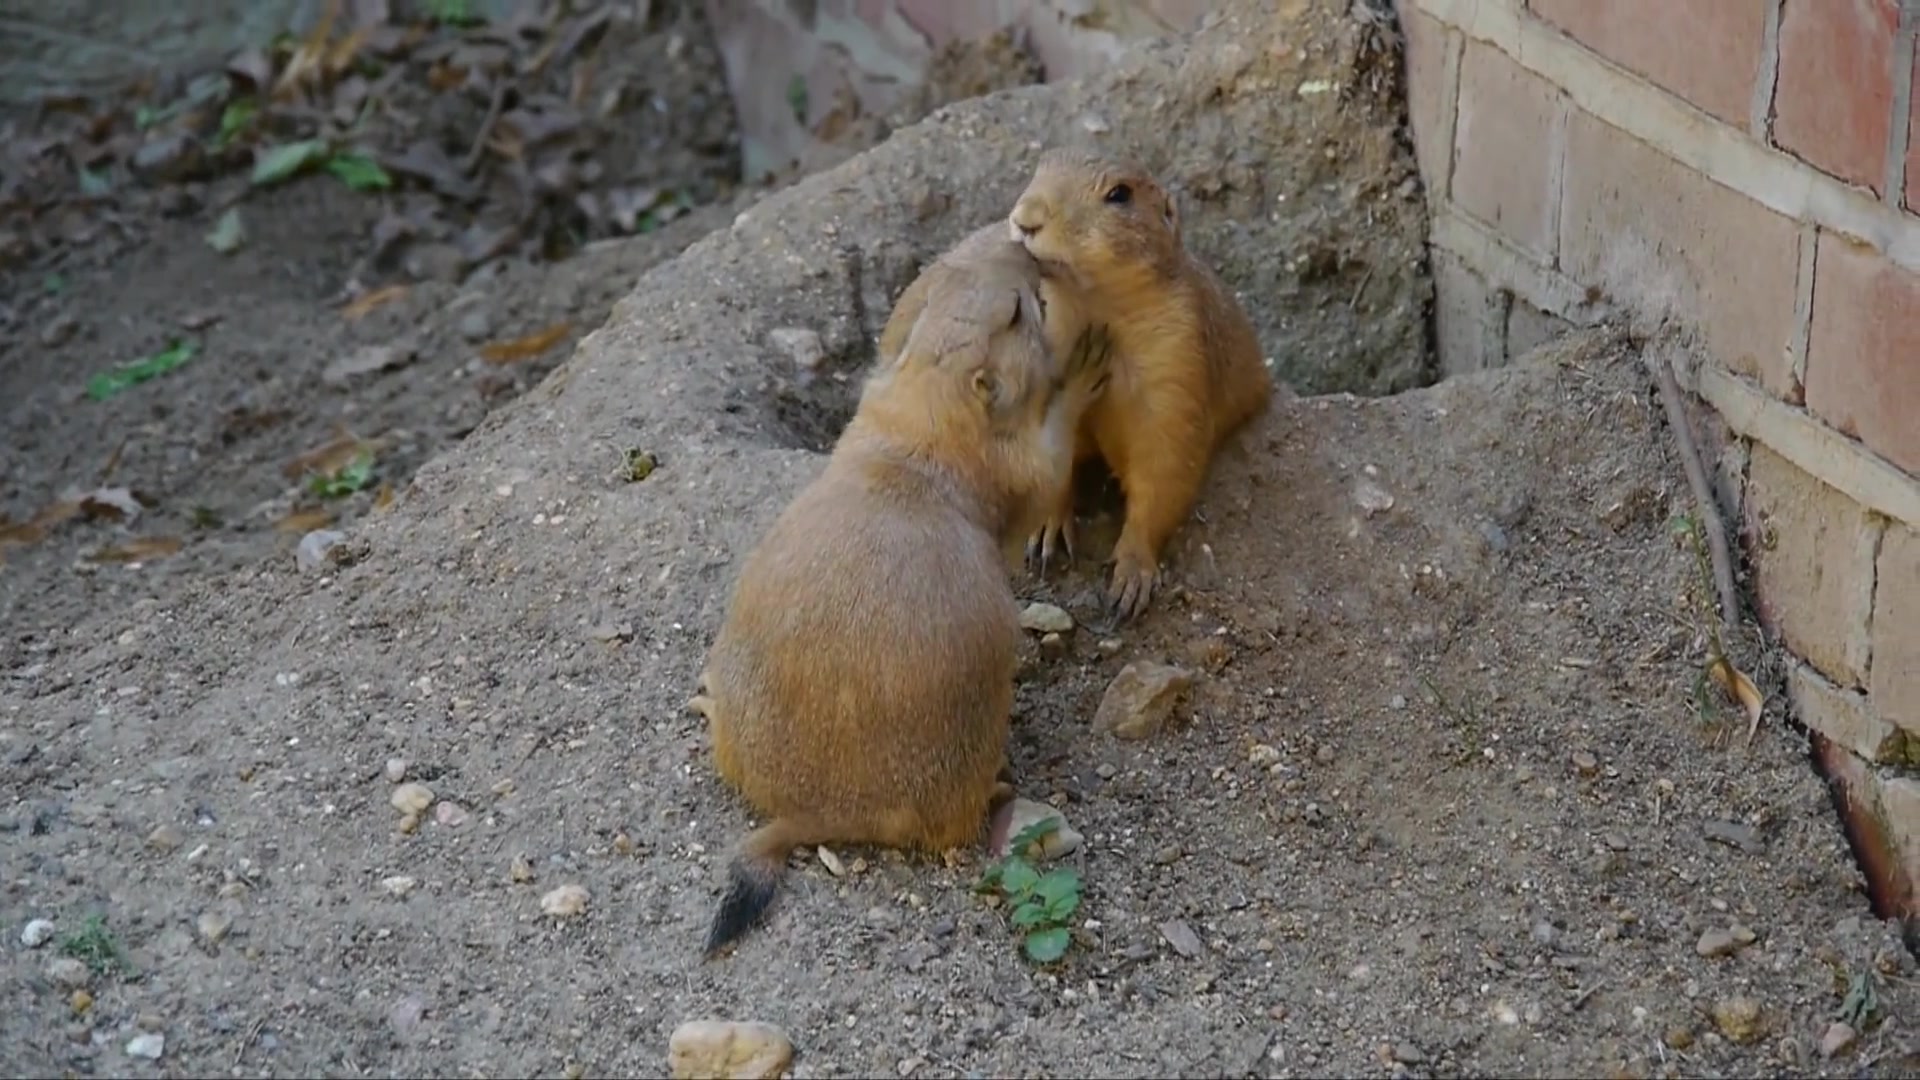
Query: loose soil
x=1446, y=798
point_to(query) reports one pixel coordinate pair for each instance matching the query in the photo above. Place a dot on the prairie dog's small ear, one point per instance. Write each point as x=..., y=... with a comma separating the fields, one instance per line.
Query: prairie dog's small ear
x=985, y=386
x=1172, y=212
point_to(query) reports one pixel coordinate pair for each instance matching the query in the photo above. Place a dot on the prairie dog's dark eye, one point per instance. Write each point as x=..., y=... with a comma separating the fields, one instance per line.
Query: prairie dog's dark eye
x=1120, y=194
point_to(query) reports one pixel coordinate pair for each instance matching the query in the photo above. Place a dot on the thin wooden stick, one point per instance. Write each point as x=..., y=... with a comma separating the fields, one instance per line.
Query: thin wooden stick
x=1702, y=491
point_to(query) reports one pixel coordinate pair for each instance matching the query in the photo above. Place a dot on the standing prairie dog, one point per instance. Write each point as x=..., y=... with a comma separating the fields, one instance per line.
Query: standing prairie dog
x=1187, y=370
x=860, y=686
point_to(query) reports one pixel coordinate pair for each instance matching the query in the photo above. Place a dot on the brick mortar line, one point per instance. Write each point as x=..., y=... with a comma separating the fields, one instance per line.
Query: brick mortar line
x=1760, y=110
x=1805, y=681
x=1495, y=258
x=1880, y=528
x=1806, y=280
x=1557, y=140
x=1812, y=446
x=1721, y=152
x=1903, y=60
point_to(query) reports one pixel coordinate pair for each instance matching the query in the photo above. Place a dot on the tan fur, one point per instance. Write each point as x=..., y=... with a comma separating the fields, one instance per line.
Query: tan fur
x=859, y=689
x=1187, y=371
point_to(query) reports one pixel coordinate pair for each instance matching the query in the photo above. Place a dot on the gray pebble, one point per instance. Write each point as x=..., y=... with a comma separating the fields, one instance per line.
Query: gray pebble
x=476, y=324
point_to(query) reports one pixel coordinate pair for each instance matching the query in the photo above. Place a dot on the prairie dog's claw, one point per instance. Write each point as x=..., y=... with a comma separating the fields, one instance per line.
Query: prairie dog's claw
x=1131, y=590
x=1053, y=538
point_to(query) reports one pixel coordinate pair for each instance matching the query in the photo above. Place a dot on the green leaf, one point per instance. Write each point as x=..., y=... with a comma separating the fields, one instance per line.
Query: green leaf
x=1059, y=891
x=108, y=383
x=351, y=478
x=1060, y=909
x=1017, y=877
x=228, y=233
x=234, y=120
x=452, y=12
x=1046, y=946
x=285, y=160
x=1029, y=915
x=94, y=183
x=1022, y=844
x=359, y=172
x=1057, y=884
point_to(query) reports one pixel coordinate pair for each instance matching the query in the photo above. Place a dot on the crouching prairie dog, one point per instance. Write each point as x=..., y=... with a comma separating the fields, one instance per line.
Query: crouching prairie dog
x=859, y=689
x=1186, y=372
x=956, y=274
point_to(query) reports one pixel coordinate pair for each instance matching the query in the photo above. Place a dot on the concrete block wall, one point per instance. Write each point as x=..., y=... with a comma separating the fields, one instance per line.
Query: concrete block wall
x=1748, y=171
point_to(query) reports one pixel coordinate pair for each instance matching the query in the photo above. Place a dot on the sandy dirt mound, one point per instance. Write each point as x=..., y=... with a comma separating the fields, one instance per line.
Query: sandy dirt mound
x=1442, y=800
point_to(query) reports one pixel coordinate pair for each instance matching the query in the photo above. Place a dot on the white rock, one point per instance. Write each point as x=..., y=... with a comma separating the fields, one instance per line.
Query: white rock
x=1046, y=619
x=803, y=345
x=747, y=1050
x=147, y=1044
x=411, y=798
x=68, y=973
x=316, y=546
x=1021, y=814
x=213, y=926
x=831, y=861
x=399, y=884
x=565, y=902
x=1140, y=699
x=366, y=360
x=1372, y=498
x=37, y=933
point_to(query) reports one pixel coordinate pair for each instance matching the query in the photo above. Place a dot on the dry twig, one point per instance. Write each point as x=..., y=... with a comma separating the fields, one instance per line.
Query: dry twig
x=1702, y=492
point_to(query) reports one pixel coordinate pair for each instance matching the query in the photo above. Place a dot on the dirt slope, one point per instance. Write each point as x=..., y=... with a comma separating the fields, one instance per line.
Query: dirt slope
x=1441, y=801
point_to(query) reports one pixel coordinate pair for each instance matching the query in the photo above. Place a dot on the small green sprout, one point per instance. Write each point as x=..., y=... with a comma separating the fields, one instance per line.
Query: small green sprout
x=1042, y=904
x=94, y=945
x=349, y=478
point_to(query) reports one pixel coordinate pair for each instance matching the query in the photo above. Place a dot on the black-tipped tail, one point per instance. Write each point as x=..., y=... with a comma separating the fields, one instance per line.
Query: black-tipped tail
x=750, y=888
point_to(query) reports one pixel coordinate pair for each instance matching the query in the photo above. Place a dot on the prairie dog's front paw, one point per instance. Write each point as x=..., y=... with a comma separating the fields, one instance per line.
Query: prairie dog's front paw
x=1135, y=576
x=1055, y=537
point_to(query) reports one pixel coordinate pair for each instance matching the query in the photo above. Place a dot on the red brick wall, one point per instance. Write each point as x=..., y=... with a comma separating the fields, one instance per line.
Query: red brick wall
x=1748, y=170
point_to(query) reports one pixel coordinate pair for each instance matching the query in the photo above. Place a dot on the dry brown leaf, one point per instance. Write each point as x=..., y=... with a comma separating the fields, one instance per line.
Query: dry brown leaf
x=366, y=302
x=304, y=521
x=330, y=457
x=340, y=54
x=310, y=56
x=1734, y=683
x=142, y=549
x=442, y=77
x=110, y=504
x=35, y=529
x=383, y=498
x=507, y=352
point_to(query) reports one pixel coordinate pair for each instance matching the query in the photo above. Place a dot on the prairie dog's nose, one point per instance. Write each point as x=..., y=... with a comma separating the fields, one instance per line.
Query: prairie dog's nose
x=1028, y=216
